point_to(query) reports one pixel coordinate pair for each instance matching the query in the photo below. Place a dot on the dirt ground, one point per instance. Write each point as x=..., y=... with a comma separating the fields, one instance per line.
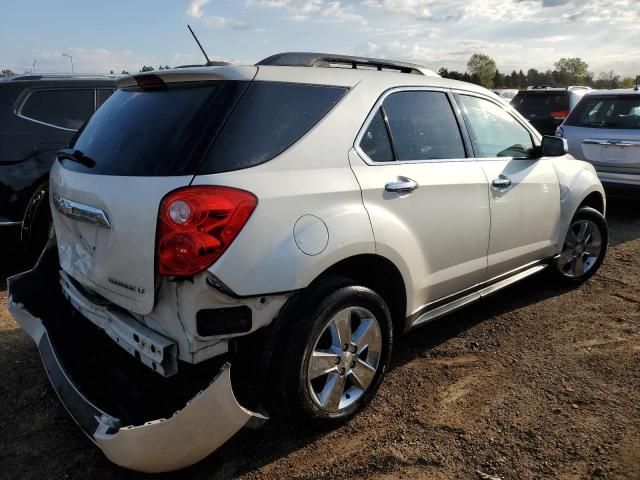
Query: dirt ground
x=534, y=382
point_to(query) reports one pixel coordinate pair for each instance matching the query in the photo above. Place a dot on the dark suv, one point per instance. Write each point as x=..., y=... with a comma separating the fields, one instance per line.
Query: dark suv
x=547, y=107
x=39, y=114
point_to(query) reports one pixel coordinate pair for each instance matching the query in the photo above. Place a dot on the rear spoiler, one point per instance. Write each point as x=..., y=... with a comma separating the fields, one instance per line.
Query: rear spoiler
x=195, y=74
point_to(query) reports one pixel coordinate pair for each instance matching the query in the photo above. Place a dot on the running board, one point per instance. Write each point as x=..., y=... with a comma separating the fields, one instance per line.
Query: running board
x=437, y=309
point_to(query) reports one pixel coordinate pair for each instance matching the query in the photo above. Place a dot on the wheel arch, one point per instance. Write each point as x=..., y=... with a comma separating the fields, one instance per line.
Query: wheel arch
x=380, y=275
x=594, y=200
x=39, y=195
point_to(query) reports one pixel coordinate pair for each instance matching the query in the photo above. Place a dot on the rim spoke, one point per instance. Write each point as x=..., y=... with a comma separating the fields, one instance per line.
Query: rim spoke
x=571, y=239
x=363, y=374
x=578, y=266
x=593, y=248
x=332, y=392
x=322, y=362
x=341, y=328
x=366, y=334
x=564, y=258
x=584, y=226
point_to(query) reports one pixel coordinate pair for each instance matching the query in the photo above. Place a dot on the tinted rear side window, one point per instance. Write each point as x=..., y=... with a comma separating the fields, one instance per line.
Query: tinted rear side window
x=269, y=119
x=62, y=108
x=375, y=143
x=607, y=111
x=423, y=126
x=155, y=133
x=540, y=104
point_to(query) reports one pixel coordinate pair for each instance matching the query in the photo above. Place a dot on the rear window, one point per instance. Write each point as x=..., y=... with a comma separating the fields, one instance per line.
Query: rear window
x=67, y=109
x=155, y=133
x=607, y=111
x=269, y=119
x=540, y=104
x=206, y=128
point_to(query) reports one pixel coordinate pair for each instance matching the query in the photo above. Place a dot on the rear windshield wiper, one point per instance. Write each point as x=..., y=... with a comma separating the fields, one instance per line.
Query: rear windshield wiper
x=77, y=156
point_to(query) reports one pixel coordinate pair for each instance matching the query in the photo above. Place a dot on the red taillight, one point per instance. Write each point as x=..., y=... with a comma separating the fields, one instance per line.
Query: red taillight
x=197, y=224
x=561, y=114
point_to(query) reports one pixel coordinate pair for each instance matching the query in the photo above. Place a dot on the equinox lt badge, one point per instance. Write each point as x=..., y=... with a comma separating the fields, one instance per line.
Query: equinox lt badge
x=128, y=286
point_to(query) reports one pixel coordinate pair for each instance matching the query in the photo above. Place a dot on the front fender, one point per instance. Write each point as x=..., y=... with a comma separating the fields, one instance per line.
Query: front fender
x=577, y=181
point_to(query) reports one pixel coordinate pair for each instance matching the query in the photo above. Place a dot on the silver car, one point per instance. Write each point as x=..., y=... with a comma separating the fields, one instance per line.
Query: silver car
x=604, y=129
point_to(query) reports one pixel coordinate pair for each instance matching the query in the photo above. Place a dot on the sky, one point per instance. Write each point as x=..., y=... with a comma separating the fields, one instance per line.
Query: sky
x=124, y=35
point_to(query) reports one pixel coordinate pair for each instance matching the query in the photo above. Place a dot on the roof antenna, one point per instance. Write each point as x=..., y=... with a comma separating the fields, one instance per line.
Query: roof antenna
x=210, y=63
x=199, y=44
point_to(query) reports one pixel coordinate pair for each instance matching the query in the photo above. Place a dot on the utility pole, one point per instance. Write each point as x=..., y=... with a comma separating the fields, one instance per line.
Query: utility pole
x=70, y=58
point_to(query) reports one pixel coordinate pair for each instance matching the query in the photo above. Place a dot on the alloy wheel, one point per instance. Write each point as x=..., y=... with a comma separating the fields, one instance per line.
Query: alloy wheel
x=582, y=248
x=344, y=359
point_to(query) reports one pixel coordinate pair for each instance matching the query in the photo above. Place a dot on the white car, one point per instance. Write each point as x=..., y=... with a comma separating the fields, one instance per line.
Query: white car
x=506, y=94
x=289, y=218
x=604, y=129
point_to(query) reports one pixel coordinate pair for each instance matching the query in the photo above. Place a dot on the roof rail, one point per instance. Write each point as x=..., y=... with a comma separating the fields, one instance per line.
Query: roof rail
x=551, y=87
x=60, y=76
x=309, y=59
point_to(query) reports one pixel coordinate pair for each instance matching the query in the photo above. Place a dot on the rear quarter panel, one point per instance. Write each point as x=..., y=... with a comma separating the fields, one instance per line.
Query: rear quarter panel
x=312, y=177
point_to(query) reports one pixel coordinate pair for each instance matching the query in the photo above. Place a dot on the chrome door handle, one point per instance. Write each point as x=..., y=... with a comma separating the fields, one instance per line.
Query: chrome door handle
x=501, y=182
x=403, y=185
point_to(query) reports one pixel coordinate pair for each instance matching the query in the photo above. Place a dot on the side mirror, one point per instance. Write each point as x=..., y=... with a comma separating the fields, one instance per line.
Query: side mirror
x=553, y=146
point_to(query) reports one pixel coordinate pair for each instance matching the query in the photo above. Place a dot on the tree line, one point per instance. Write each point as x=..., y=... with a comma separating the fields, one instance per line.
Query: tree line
x=482, y=70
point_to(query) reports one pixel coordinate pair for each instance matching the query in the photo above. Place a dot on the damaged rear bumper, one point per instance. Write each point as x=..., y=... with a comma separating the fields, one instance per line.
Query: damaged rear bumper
x=206, y=422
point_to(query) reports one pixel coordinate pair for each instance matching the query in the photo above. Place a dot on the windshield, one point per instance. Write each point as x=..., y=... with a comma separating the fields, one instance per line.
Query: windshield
x=540, y=104
x=607, y=111
x=161, y=132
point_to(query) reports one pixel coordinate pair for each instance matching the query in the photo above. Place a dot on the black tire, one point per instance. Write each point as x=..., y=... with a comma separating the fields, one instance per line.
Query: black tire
x=303, y=325
x=563, y=271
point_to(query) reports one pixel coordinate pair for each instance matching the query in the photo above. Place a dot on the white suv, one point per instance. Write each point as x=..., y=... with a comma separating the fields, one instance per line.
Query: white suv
x=289, y=220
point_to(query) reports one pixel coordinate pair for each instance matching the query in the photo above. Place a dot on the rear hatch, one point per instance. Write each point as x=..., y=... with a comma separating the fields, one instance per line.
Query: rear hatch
x=143, y=142
x=544, y=109
x=605, y=130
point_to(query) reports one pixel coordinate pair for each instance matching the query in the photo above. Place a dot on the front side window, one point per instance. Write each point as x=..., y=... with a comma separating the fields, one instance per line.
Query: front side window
x=494, y=131
x=61, y=108
x=423, y=126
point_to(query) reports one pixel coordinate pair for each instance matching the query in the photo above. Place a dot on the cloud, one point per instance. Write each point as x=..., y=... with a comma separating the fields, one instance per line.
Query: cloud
x=194, y=10
x=320, y=10
x=539, y=11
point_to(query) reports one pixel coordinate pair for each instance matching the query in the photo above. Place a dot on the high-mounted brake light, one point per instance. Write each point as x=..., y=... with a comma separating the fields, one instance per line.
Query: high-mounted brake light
x=150, y=82
x=197, y=224
x=561, y=114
